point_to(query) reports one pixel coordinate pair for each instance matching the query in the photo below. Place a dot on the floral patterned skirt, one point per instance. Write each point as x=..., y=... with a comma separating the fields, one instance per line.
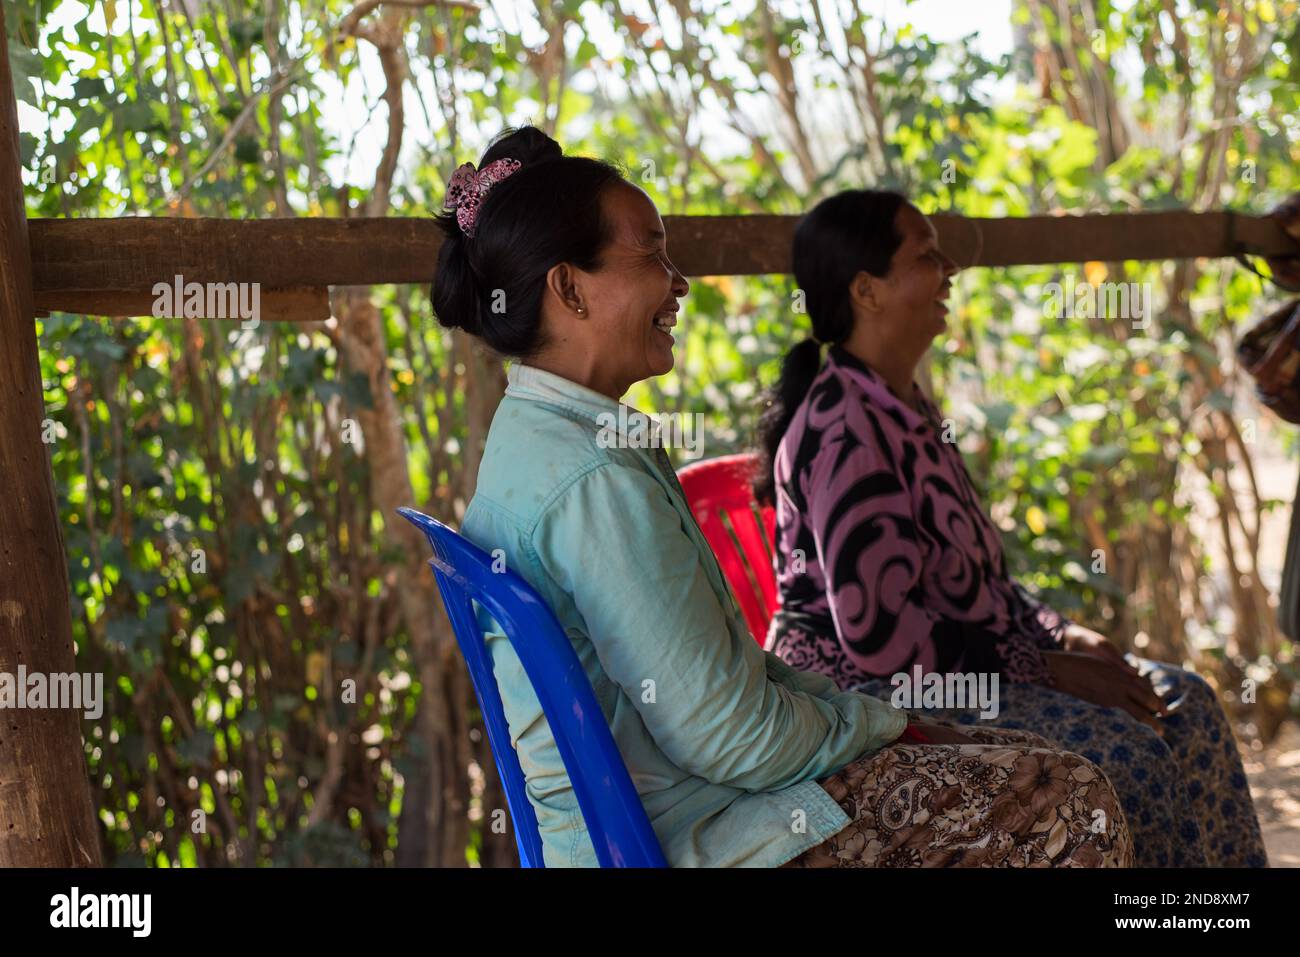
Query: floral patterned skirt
x=1011, y=801
x=1185, y=795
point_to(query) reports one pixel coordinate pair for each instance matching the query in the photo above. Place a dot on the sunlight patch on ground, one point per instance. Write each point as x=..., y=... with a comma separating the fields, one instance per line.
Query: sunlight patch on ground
x=1275, y=786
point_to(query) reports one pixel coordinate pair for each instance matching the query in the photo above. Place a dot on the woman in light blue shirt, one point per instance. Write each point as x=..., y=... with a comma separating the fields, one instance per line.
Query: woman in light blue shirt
x=739, y=760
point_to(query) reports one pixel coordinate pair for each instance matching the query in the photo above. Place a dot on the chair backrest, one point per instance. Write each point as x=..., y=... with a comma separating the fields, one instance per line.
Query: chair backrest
x=611, y=807
x=741, y=532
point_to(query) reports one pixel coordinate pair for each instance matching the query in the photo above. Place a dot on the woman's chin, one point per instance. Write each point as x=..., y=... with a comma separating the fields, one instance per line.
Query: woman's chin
x=663, y=365
x=660, y=354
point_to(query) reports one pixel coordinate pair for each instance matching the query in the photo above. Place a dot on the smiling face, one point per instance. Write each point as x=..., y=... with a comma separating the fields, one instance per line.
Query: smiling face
x=628, y=305
x=632, y=299
x=911, y=298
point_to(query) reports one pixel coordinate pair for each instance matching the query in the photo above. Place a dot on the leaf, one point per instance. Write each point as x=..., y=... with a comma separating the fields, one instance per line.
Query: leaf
x=239, y=583
x=27, y=146
x=89, y=88
x=1107, y=454
x=133, y=749
x=109, y=349
x=197, y=748
x=356, y=391
x=24, y=66
x=245, y=33
x=315, y=668
x=133, y=116
x=326, y=389
x=999, y=416
x=1036, y=520
x=248, y=149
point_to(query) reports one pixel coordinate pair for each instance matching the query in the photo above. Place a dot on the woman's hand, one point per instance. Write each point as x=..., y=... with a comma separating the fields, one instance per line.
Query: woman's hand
x=1286, y=269
x=1085, y=641
x=1107, y=684
x=942, y=734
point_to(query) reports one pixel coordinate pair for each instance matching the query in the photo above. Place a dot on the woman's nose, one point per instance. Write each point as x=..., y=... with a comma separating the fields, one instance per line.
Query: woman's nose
x=680, y=285
x=950, y=267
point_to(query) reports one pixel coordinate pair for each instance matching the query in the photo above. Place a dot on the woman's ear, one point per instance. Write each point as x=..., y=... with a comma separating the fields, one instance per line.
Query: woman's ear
x=864, y=291
x=564, y=284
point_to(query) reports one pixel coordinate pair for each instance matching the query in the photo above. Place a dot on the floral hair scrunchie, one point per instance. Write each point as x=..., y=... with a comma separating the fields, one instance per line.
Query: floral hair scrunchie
x=468, y=187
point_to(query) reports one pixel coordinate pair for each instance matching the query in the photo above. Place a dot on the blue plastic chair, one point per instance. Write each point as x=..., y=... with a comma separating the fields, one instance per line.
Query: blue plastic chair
x=615, y=818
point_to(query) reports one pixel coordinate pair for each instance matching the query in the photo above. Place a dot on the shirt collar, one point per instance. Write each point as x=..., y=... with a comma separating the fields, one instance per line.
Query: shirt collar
x=529, y=382
x=877, y=391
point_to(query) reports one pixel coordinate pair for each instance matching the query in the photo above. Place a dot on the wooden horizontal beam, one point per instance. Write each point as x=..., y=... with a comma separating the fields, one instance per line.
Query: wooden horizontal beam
x=300, y=304
x=1109, y=237
x=76, y=263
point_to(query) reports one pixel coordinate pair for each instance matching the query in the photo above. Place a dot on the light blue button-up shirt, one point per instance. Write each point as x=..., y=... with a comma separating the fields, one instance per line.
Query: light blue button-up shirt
x=724, y=742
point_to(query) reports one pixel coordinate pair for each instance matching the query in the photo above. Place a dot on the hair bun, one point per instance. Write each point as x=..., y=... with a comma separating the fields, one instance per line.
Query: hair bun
x=527, y=144
x=457, y=299
x=492, y=282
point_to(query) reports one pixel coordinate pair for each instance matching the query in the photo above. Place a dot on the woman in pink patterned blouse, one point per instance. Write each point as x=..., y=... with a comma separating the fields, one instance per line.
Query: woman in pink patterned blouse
x=886, y=559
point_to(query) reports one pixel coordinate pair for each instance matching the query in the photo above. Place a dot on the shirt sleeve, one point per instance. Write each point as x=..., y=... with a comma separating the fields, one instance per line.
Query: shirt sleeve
x=615, y=542
x=865, y=534
x=809, y=682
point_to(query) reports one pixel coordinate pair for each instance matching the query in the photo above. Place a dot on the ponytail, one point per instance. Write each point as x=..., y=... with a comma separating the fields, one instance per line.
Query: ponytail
x=798, y=370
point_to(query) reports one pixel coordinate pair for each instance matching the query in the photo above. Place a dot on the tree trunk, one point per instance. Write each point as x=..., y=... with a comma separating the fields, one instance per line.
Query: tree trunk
x=438, y=787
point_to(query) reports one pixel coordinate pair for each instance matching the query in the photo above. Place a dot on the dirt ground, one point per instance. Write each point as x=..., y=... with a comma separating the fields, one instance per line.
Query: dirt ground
x=1275, y=785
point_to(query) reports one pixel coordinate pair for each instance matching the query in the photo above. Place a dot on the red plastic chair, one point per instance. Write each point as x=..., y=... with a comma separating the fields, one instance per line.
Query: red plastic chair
x=740, y=531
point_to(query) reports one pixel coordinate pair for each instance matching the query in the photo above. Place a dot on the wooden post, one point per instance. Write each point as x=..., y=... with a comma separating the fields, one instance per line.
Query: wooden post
x=47, y=818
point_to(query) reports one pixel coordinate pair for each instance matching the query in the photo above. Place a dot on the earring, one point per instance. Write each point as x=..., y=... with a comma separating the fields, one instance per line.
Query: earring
x=581, y=310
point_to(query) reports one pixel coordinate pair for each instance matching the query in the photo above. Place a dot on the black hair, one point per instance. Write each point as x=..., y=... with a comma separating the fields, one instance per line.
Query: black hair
x=843, y=235
x=547, y=212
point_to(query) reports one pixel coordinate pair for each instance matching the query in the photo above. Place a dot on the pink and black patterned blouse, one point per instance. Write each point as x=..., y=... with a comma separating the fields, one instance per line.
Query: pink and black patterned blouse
x=885, y=557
